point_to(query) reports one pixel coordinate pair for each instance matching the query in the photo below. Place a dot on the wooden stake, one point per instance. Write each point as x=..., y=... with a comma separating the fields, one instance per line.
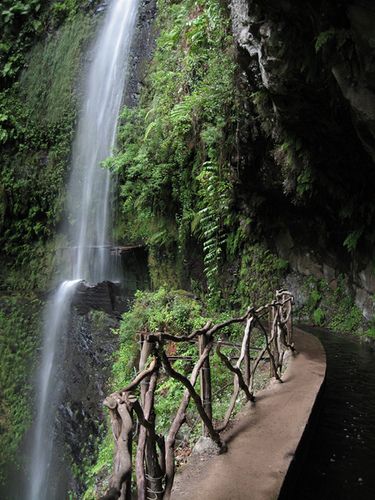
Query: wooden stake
x=205, y=380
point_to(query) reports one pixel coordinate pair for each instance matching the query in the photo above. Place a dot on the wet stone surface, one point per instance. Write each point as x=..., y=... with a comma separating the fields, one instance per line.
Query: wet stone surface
x=340, y=463
x=87, y=367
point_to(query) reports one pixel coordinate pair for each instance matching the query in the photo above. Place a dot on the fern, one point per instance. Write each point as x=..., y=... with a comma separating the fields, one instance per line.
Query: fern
x=215, y=196
x=351, y=241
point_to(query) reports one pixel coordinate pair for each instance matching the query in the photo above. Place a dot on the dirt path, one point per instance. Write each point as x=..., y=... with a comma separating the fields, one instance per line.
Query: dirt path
x=263, y=441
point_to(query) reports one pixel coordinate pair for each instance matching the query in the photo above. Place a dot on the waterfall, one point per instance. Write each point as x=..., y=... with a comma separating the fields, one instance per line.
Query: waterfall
x=56, y=318
x=88, y=216
x=90, y=186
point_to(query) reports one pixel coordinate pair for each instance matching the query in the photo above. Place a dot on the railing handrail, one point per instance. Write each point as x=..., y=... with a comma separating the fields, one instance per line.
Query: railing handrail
x=155, y=464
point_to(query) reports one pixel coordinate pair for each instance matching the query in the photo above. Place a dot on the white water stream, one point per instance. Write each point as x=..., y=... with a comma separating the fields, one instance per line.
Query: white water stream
x=89, y=213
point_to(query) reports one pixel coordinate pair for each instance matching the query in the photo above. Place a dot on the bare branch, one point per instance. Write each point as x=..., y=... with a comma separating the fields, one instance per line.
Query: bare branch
x=138, y=379
x=237, y=372
x=267, y=348
x=194, y=395
x=178, y=420
x=165, y=336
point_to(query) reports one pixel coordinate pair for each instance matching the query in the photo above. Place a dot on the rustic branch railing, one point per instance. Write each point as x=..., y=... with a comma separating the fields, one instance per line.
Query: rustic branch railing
x=155, y=457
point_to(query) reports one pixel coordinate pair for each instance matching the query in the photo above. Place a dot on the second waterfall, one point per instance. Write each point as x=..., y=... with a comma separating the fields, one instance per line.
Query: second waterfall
x=88, y=218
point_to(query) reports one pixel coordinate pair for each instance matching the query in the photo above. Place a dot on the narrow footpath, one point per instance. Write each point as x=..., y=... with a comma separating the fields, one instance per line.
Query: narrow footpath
x=264, y=440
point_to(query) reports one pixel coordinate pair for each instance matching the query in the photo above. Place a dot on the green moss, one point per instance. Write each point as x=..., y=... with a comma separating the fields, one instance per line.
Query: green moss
x=40, y=56
x=19, y=330
x=370, y=333
x=332, y=307
x=97, y=475
x=38, y=123
x=260, y=273
x=347, y=317
x=47, y=85
x=99, y=320
x=318, y=317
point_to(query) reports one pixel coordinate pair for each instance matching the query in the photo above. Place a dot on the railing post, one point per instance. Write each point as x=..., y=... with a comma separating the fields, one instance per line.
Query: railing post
x=247, y=361
x=155, y=461
x=205, y=380
x=146, y=349
x=273, y=344
x=289, y=323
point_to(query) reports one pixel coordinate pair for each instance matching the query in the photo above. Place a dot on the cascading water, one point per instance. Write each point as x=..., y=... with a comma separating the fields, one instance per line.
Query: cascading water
x=49, y=386
x=89, y=211
x=90, y=186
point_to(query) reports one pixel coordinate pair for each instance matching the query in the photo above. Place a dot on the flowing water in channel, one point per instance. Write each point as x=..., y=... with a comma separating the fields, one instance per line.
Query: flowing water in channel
x=340, y=462
x=89, y=215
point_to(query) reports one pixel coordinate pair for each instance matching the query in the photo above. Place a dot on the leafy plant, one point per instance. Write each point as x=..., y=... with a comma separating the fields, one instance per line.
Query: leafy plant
x=174, y=149
x=318, y=317
x=174, y=311
x=323, y=38
x=351, y=241
x=215, y=198
x=333, y=307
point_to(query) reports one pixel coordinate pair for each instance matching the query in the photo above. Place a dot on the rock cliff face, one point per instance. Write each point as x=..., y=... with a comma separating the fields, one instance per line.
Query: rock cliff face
x=308, y=134
x=87, y=368
x=89, y=358
x=141, y=51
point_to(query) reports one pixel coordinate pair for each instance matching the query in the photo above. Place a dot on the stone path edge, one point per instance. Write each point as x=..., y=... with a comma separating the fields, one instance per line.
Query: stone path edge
x=288, y=486
x=268, y=442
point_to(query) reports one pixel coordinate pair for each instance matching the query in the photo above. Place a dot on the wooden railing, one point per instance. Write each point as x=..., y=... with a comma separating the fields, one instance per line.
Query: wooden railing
x=133, y=417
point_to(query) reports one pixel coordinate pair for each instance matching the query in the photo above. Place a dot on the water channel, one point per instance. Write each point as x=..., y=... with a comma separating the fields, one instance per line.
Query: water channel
x=340, y=461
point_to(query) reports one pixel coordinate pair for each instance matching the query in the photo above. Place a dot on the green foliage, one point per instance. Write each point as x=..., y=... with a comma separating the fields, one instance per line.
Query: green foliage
x=38, y=69
x=20, y=23
x=173, y=311
x=370, y=333
x=175, y=147
x=294, y=160
x=62, y=9
x=351, y=241
x=260, y=274
x=348, y=317
x=304, y=182
x=101, y=470
x=47, y=86
x=19, y=328
x=314, y=299
x=99, y=320
x=23, y=22
x=332, y=307
x=33, y=268
x=318, y=317
x=37, y=117
x=177, y=312
x=215, y=197
x=323, y=38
